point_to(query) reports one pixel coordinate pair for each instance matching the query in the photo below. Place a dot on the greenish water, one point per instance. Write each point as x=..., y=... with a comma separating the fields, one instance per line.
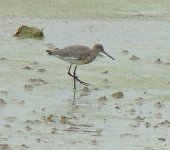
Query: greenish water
x=93, y=122
x=84, y=9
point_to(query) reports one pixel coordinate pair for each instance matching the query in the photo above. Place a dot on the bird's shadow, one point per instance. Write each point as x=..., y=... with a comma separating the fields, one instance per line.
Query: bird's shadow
x=76, y=96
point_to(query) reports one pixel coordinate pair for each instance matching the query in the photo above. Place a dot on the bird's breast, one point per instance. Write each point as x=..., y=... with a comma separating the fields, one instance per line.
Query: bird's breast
x=86, y=60
x=78, y=61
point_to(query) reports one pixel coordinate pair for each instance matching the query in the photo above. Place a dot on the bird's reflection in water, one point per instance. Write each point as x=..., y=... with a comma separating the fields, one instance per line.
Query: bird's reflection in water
x=79, y=94
x=74, y=97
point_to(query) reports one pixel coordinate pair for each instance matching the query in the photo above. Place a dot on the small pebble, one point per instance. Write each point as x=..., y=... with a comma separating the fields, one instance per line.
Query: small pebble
x=34, y=63
x=158, y=61
x=54, y=130
x=105, y=72
x=134, y=58
x=4, y=147
x=8, y=126
x=85, y=89
x=49, y=118
x=118, y=95
x=96, y=89
x=38, y=140
x=132, y=111
x=37, y=81
x=117, y=107
x=2, y=102
x=165, y=123
x=147, y=124
x=102, y=100
x=11, y=119
x=167, y=63
x=31, y=122
x=28, y=87
x=27, y=68
x=139, y=119
x=134, y=125
x=63, y=119
x=24, y=146
x=162, y=139
x=3, y=58
x=125, y=52
x=139, y=100
x=158, y=115
x=4, y=93
x=105, y=80
x=94, y=142
x=158, y=105
x=27, y=128
x=41, y=70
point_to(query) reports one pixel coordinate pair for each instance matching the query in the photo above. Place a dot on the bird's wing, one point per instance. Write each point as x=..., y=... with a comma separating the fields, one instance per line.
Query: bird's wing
x=74, y=52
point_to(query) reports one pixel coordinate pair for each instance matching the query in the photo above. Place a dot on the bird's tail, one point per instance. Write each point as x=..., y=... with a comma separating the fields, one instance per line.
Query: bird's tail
x=49, y=52
x=52, y=51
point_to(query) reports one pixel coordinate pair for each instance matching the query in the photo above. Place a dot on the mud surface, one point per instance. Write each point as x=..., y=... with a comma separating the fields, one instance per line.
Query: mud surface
x=37, y=105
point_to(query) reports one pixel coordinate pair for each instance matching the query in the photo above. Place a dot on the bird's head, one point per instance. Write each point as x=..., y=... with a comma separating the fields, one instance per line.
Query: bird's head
x=99, y=48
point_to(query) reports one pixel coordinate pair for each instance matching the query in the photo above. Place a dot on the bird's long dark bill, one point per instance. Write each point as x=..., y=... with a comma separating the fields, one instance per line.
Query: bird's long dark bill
x=108, y=55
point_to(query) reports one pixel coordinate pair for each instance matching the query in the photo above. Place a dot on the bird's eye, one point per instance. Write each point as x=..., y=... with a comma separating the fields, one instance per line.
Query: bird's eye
x=101, y=47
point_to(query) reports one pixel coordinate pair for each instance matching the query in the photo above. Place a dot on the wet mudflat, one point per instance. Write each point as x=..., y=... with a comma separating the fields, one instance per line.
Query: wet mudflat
x=126, y=105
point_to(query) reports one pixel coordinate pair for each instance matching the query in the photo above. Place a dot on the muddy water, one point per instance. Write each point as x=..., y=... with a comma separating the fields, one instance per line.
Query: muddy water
x=37, y=97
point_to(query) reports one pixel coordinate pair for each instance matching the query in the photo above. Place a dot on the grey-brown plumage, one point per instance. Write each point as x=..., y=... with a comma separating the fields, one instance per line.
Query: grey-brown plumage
x=78, y=55
x=75, y=54
x=75, y=51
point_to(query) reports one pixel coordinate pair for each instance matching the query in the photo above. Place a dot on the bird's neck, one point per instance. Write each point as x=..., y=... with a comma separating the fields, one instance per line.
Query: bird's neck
x=95, y=52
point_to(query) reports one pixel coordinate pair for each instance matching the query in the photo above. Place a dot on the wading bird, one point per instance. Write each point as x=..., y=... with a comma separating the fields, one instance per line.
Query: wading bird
x=78, y=55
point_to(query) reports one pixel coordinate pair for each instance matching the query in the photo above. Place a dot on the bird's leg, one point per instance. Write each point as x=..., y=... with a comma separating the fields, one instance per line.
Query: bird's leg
x=84, y=83
x=70, y=73
x=75, y=78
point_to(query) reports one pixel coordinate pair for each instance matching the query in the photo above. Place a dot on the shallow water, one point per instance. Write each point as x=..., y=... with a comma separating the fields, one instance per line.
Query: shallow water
x=91, y=123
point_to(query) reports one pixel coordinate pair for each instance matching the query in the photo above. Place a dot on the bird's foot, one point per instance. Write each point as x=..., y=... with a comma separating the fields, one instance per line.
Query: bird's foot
x=84, y=83
x=81, y=82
